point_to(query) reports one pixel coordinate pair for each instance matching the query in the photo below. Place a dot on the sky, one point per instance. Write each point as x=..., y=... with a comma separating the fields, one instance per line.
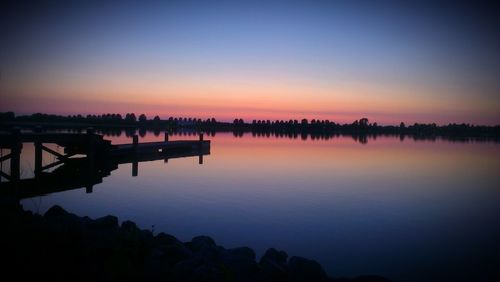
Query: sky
x=336, y=60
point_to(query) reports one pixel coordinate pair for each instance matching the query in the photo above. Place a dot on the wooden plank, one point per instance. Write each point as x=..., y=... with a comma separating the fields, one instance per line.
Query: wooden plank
x=156, y=146
x=57, y=154
x=52, y=165
x=6, y=157
x=49, y=137
x=5, y=175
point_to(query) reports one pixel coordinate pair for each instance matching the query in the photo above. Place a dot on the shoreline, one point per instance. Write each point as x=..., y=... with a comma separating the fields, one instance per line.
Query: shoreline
x=62, y=245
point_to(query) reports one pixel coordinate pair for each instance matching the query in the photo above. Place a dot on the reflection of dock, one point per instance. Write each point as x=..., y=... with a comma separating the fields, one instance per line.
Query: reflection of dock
x=86, y=160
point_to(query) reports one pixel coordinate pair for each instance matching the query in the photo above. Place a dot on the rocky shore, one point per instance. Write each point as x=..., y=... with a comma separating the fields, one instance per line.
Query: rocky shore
x=63, y=246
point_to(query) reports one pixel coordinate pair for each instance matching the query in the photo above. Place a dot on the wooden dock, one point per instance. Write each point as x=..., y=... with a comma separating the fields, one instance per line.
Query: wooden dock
x=87, y=158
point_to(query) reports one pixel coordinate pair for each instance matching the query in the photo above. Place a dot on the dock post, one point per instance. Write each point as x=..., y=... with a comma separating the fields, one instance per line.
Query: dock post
x=15, y=160
x=15, y=164
x=90, y=147
x=165, y=148
x=135, y=164
x=38, y=158
x=135, y=142
x=135, y=168
x=90, y=155
x=200, y=156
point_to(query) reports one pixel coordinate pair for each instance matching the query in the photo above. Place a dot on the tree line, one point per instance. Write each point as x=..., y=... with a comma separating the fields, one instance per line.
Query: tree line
x=314, y=126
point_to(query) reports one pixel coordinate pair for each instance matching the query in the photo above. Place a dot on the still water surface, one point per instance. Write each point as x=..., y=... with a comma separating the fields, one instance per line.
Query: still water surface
x=405, y=209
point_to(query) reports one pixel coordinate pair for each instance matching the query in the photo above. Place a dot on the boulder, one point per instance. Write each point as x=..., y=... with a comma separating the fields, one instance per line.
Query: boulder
x=273, y=255
x=108, y=222
x=240, y=262
x=200, y=242
x=129, y=226
x=165, y=239
x=241, y=253
x=56, y=211
x=370, y=278
x=273, y=265
x=176, y=253
x=204, y=247
x=302, y=269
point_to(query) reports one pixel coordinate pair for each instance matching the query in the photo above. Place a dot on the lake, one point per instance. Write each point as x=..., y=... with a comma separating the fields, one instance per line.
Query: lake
x=405, y=209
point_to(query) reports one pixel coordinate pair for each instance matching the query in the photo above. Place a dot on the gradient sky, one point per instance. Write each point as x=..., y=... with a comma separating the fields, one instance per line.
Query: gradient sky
x=256, y=60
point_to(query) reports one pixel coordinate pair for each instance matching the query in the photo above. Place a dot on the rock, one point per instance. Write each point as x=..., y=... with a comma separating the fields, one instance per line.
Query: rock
x=173, y=250
x=108, y=222
x=370, y=278
x=240, y=262
x=9, y=206
x=56, y=211
x=273, y=265
x=203, y=247
x=206, y=272
x=241, y=253
x=176, y=252
x=185, y=269
x=201, y=242
x=129, y=226
x=273, y=255
x=301, y=269
x=165, y=239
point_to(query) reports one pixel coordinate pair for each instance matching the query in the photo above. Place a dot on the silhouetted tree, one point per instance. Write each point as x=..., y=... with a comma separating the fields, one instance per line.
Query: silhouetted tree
x=130, y=117
x=363, y=122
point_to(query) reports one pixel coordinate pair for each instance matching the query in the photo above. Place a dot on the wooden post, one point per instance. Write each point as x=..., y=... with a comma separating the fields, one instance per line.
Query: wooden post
x=15, y=155
x=165, y=148
x=135, y=164
x=135, y=168
x=38, y=158
x=90, y=147
x=15, y=164
x=135, y=142
x=200, y=157
x=90, y=157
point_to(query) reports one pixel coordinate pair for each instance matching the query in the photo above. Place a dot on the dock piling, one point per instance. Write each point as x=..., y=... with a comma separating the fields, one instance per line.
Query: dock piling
x=38, y=158
x=15, y=152
x=135, y=142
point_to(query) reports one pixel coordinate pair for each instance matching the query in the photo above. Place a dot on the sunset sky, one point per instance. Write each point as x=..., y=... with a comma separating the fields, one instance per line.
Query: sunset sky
x=253, y=59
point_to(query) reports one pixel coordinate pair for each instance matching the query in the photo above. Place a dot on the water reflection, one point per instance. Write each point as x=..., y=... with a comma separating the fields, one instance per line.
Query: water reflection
x=407, y=208
x=358, y=136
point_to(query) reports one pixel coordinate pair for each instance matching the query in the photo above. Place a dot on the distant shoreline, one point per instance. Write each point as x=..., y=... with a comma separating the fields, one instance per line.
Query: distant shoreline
x=361, y=127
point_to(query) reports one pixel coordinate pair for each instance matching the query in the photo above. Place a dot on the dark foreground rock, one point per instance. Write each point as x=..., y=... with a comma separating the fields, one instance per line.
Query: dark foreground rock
x=63, y=246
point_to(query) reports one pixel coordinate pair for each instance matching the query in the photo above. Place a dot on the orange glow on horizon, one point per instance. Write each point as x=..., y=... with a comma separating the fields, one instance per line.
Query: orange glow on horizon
x=281, y=100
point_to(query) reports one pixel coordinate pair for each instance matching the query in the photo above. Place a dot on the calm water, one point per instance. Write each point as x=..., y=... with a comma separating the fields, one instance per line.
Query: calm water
x=403, y=209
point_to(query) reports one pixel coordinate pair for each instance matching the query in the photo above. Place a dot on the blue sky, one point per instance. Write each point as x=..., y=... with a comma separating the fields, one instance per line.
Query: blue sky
x=447, y=52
